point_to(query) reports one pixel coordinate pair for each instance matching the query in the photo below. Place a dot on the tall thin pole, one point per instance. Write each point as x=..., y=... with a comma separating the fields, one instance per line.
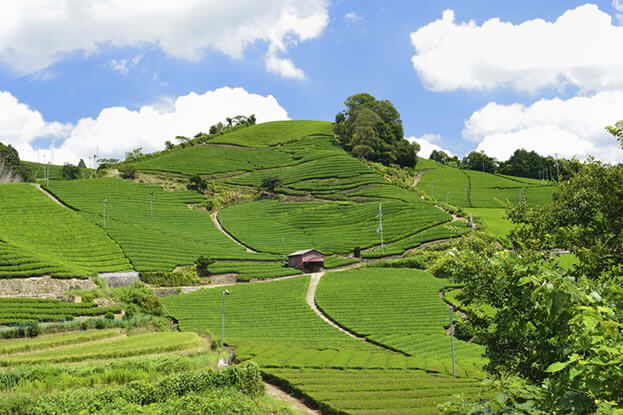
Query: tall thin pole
x=226, y=292
x=151, y=203
x=380, y=228
x=447, y=195
x=557, y=168
x=452, y=340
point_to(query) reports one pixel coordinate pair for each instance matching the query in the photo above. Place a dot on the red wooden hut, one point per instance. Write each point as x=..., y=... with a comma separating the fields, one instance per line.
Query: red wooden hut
x=308, y=260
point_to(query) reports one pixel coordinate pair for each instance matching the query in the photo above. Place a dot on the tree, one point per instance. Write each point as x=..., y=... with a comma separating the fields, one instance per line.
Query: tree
x=134, y=154
x=479, y=161
x=127, y=171
x=70, y=171
x=270, y=183
x=197, y=183
x=168, y=145
x=616, y=130
x=202, y=263
x=252, y=120
x=82, y=164
x=372, y=130
x=213, y=129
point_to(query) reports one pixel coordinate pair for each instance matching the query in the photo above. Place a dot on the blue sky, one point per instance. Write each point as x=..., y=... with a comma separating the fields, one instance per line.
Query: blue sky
x=487, y=75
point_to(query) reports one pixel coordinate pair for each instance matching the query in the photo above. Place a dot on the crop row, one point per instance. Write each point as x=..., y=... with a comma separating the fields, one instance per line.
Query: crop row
x=174, y=235
x=273, y=133
x=333, y=227
x=41, y=236
x=45, y=342
x=407, y=314
x=372, y=392
x=443, y=231
x=140, y=344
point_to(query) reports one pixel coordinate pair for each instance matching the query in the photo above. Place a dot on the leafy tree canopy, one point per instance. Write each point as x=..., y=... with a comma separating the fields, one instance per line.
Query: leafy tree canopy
x=70, y=171
x=372, y=130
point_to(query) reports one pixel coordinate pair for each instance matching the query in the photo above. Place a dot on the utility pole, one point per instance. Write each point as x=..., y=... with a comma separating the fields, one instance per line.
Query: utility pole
x=151, y=203
x=447, y=194
x=380, y=228
x=557, y=168
x=47, y=176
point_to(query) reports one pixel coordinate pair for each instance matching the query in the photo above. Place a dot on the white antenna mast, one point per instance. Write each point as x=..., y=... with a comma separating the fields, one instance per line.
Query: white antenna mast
x=380, y=228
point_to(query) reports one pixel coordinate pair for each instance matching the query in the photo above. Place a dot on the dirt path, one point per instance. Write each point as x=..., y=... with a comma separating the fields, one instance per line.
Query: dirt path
x=48, y=194
x=297, y=404
x=214, y=217
x=310, y=298
x=418, y=177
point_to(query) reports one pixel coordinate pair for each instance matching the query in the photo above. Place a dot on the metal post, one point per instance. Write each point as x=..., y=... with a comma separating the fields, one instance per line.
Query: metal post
x=452, y=340
x=151, y=203
x=104, y=211
x=226, y=292
x=447, y=194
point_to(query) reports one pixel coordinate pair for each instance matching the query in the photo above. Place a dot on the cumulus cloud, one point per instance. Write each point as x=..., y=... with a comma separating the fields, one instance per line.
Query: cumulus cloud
x=618, y=6
x=572, y=127
x=118, y=129
x=427, y=146
x=575, y=49
x=35, y=34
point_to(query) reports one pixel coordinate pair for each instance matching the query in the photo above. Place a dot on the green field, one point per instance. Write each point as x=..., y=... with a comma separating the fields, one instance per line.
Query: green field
x=365, y=392
x=39, y=237
x=273, y=133
x=470, y=188
x=246, y=271
x=494, y=219
x=19, y=310
x=332, y=227
x=175, y=235
x=46, y=342
x=407, y=314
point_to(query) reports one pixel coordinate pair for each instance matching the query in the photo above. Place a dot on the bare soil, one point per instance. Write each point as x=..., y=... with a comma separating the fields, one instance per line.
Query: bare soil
x=297, y=404
x=45, y=286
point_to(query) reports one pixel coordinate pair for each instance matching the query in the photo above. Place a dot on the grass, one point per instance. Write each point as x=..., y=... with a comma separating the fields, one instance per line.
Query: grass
x=494, y=219
x=55, y=170
x=39, y=237
x=407, y=314
x=273, y=133
x=332, y=227
x=175, y=235
x=247, y=271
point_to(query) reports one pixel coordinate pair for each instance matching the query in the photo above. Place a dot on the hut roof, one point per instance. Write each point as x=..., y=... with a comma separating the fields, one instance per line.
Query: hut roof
x=304, y=251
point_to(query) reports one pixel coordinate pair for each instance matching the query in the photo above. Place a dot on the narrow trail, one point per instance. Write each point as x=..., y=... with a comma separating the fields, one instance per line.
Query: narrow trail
x=214, y=217
x=48, y=194
x=418, y=177
x=310, y=298
x=276, y=393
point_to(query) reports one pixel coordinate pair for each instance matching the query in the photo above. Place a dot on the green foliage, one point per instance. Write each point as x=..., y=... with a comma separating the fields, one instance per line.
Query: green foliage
x=372, y=130
x=479, y=161
x=616, y=130
x=127, y=170
x=140, y=296
x=585, y=218
x=246, y=271
x=197, y=183
x=202, y=263
x=134, y=155
x=170, y=279
x=442, y=157
x=70, y=171
x=270, y=183
x=39, y=237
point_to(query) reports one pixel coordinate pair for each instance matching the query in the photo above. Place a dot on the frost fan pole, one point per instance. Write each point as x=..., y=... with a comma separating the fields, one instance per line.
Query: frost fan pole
x=380, y=228
x=452, y=341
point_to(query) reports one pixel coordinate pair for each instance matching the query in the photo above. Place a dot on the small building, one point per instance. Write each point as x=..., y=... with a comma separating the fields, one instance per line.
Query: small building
x=308, y=260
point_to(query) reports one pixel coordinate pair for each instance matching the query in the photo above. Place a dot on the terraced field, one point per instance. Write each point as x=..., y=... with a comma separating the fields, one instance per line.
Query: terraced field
x=39, y=237
x=274, y=133
x=22, y=310
x=271, y=324
x=332, y=227
x=175, y=235
x=407, y=314
x=368, y=392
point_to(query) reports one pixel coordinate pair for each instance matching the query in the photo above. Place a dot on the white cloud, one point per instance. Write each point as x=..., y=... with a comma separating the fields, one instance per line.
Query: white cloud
x=119, y=65
x=118, y=129
x=576, y=49
x=353, y=17
x=618, y=6
x=426, y=145
x=572, y=127
x=35, y=34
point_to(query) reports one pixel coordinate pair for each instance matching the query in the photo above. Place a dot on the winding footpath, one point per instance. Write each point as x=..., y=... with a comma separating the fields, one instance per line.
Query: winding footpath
x=214, y=217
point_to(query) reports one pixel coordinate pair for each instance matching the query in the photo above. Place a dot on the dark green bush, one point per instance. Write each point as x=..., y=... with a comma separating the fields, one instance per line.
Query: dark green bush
x=169, y=279
x=127, y=171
